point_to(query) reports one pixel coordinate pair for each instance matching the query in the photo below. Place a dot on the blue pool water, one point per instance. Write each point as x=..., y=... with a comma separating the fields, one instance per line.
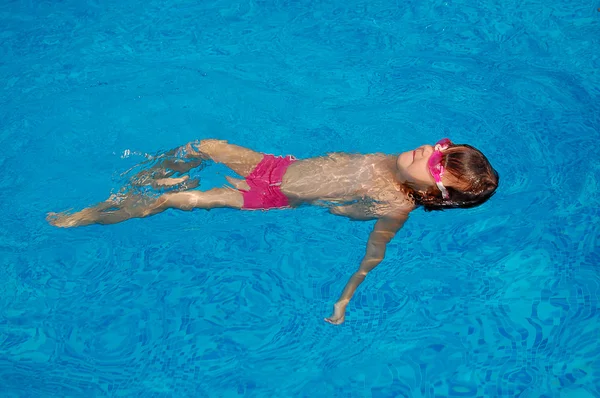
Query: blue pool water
x=497, y=301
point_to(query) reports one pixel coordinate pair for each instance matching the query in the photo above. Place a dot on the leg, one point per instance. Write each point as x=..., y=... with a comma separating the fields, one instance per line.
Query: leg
x=165, y=166
x=239, y=159
x=109, y=213
x=180, y=160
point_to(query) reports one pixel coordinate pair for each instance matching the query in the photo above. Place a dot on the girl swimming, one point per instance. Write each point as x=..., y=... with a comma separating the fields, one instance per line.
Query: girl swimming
x=378, y=187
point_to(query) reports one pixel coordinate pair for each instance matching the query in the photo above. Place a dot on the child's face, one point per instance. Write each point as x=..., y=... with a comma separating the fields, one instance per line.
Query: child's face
x=413, y=168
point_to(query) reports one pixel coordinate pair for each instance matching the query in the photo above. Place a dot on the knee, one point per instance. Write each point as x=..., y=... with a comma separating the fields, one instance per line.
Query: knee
x=211, y=145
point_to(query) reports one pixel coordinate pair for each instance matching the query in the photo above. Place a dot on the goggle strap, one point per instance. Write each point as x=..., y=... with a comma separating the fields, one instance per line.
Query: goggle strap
x=442, y=188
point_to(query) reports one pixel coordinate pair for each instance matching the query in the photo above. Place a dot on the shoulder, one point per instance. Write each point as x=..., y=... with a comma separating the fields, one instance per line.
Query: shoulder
x=391, y=203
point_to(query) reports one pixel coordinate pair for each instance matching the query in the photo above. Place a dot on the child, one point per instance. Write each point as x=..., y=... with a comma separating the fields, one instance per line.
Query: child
x=378, y=187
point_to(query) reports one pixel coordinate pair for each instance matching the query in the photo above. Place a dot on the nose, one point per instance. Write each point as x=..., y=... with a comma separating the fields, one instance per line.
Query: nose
x=427, y=150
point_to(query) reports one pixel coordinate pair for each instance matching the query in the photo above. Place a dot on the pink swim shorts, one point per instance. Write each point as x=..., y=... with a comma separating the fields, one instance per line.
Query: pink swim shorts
x=265, y=181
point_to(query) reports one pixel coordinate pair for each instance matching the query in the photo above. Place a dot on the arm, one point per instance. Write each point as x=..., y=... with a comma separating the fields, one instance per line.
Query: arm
x=383, y=232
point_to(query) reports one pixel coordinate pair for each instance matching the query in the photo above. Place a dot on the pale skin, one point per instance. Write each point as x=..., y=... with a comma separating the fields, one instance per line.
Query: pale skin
x=361, y=187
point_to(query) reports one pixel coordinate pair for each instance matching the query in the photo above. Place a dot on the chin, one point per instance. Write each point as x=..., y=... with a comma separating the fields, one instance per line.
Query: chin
x=404, y=160
x=399, y=162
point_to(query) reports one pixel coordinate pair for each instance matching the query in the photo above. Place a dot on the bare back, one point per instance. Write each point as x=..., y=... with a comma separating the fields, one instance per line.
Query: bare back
x=354, y=185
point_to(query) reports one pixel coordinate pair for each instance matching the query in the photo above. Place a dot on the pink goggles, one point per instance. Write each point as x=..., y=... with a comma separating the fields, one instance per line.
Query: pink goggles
x=435, y=165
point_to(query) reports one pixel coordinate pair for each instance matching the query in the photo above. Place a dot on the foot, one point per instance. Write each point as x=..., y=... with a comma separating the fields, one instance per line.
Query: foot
x=168, y=182
x=70, y=220
x=66, y=219
x=338, y=316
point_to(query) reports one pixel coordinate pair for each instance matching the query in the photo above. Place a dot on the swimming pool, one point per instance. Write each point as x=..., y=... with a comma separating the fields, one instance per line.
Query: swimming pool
x=498, y=301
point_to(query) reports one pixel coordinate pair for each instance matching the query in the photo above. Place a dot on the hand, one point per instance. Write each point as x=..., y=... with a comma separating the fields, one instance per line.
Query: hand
x=339, y=314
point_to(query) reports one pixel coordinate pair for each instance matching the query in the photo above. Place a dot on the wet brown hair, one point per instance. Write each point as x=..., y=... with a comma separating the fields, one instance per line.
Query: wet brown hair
x=476, y=181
